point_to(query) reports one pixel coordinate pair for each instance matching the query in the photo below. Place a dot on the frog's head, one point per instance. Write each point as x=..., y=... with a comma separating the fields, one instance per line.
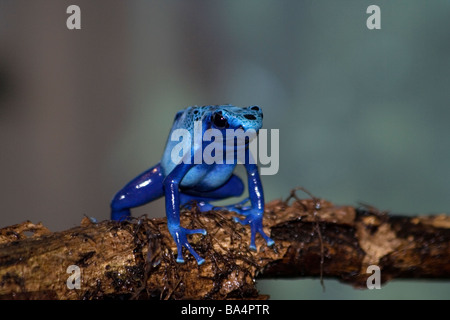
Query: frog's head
x=224, y=117
x=220, y=117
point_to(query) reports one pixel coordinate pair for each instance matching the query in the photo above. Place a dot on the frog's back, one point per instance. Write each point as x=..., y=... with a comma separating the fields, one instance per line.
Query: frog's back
x=184, y=119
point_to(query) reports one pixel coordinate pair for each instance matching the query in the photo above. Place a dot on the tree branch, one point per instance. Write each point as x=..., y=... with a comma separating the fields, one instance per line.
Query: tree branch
x=136, y=259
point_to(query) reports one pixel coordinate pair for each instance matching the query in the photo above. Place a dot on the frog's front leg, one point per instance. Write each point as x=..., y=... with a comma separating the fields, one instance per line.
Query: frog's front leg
x=172, y=195
x=254, y=213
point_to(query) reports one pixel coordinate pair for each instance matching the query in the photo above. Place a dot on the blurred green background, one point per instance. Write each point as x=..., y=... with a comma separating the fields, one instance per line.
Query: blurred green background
x=363, y=114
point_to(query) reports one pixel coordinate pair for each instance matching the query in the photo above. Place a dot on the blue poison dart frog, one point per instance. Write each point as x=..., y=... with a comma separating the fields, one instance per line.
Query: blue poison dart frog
x=192, y=180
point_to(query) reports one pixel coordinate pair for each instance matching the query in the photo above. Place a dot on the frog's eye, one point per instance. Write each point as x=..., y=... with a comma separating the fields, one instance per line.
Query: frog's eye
x=219, y=120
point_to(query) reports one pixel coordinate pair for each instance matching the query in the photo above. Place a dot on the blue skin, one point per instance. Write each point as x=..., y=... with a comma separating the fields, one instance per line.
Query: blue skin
x=186, y=181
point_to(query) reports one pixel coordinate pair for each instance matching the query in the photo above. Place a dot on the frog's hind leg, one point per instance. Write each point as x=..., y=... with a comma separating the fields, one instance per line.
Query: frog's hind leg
x=146, y=187
x=234, y=187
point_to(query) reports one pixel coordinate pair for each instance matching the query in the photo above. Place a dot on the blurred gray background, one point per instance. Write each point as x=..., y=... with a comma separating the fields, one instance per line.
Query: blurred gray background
x=363, y=114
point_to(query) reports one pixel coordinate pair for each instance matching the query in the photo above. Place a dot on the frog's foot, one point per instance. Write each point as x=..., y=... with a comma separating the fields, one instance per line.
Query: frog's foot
x=239, y=207
x=204, y=206
x=179, y=234
x=120, y=215
x=254, y=219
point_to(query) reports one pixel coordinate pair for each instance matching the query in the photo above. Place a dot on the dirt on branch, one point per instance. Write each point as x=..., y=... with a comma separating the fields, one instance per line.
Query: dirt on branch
x=136, y=259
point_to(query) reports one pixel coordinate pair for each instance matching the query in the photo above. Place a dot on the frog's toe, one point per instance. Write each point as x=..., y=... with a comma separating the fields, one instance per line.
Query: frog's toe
x=245, y=211
x=179, y=234
x=244, y=222
x=239, y=207
x=199, y=259
x=193, y=231
x=268, y=240
x=255, y=222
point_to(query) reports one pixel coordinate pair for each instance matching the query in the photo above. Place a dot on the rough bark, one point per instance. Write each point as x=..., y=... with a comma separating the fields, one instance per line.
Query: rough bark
x=136, y=259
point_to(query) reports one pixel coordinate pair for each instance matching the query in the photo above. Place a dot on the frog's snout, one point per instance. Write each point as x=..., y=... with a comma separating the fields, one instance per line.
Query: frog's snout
x=257, y=109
